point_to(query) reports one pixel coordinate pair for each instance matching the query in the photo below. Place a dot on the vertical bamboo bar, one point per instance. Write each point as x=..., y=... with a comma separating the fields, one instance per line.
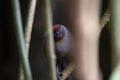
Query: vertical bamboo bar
x=28, y=31
x=49, y=44
x=29, y=23
x=116, y=40
x=20, y=39
x=87, y=32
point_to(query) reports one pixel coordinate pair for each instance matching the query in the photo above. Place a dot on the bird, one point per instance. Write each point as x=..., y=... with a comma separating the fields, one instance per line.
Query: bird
x=63, y=39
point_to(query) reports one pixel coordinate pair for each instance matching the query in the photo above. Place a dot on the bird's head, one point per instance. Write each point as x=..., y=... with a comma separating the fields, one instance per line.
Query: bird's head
x=59, y=32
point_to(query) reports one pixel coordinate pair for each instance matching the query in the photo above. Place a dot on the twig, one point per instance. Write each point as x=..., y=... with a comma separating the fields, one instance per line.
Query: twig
x=105, y=18
x=67, y=71
x=20, y=39
x=49, y=44
x=28, y=30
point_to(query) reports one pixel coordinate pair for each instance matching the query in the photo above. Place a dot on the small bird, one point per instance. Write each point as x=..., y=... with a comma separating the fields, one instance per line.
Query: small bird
x=63, y=47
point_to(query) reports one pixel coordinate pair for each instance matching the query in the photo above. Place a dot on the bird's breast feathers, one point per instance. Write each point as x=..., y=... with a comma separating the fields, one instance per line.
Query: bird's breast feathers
x=64, y=46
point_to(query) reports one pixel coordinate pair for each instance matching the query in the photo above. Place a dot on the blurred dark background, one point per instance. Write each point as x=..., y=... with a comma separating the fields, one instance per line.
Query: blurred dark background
x=9, y=59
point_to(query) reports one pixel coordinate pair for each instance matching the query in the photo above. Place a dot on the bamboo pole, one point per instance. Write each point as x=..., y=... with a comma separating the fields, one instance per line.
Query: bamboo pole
x=49, y=44
x=20, y=39
x=103, y=21
x=28, y=31
x=87, y=36
x=29, y=23
x=116, y=40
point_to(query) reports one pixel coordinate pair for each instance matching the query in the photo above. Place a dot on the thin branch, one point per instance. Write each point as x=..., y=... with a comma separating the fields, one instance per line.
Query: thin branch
x=28, y=30
x=105, y=18
x=20, y=39
x=67, y=71
x=49, y=44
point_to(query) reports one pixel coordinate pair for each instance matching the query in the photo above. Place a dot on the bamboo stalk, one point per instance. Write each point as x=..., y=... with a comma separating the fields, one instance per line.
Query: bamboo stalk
x=49, y=44
x=87, y=32
x=103, y=21
x=29, y=23
x=116, y=40
x=28, y=31
x=20, y=39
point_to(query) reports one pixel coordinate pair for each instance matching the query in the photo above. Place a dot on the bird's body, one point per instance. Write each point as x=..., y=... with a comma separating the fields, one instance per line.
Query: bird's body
x=63, y=46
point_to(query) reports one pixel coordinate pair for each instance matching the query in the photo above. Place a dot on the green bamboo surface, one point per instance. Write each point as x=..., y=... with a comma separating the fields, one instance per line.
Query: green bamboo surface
x=115, y=40
x=18, y=28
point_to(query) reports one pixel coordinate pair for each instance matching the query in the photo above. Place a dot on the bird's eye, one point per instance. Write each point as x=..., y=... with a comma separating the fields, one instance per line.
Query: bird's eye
x=58, y=34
